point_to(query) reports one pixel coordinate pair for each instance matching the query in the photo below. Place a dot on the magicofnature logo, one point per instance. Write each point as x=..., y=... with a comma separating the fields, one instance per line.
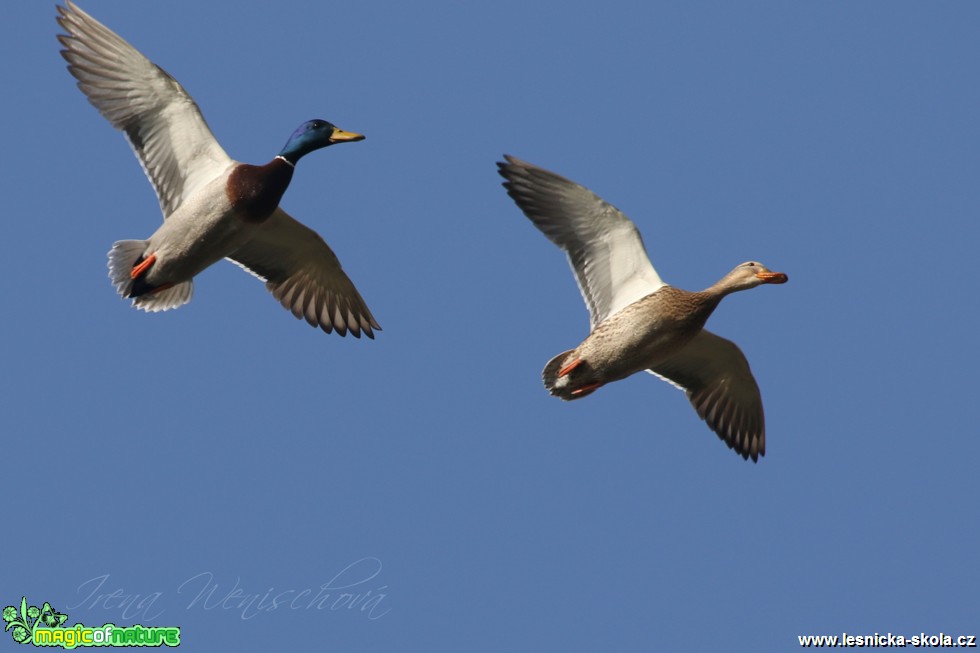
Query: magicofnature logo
x=44, y=626
x=27, y=619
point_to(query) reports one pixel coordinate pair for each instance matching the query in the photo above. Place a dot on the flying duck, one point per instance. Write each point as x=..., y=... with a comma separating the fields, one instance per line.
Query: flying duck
x=213, y=206
x=638, y=322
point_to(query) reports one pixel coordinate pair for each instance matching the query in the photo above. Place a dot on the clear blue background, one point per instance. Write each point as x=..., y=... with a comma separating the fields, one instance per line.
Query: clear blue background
x=836, y=141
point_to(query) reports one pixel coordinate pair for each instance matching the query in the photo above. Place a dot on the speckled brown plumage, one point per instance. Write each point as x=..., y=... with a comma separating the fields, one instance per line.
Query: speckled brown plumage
x=638, y=321
x=637, y=337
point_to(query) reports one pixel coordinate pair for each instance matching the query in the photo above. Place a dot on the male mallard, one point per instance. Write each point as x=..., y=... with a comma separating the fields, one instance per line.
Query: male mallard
x=213, y=206
x=638, y=322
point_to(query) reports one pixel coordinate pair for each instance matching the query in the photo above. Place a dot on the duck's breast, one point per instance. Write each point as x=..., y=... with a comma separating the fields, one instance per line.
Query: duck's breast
x=203, y=230
x=255, y=191
x=644, y=333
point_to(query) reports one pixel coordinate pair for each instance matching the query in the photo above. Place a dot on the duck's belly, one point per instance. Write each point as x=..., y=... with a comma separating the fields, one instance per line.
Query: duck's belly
x=621, y=346
x=194, y=237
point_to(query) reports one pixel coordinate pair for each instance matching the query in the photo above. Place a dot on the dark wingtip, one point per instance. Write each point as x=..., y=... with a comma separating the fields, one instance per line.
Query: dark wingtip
x=506, y=167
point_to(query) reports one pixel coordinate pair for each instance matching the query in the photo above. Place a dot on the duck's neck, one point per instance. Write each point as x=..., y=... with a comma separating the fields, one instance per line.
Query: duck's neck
x=722, y=288
x=707, y=300
x=254, y=191
x=703, y=304
x=679, y=309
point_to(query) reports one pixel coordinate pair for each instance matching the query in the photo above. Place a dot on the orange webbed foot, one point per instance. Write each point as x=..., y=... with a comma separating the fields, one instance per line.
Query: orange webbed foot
x=586, y=389
x=142, y=266
x=571, y=366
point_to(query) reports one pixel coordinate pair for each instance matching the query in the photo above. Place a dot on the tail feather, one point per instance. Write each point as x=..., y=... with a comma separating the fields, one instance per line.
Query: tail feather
x=123, y=256
x=165, y=298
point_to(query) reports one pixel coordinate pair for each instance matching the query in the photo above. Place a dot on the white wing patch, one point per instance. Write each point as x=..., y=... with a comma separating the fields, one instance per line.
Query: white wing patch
x=161, y=121
x=603, y=246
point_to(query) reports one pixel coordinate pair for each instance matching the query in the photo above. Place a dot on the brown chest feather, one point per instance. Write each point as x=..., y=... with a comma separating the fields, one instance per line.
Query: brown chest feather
x=254, y=191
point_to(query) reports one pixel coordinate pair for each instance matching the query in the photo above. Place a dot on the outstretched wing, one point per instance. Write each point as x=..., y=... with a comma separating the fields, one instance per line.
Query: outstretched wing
x=304, y=274
x=604, y=247
x=163, y=124
x=715, y=375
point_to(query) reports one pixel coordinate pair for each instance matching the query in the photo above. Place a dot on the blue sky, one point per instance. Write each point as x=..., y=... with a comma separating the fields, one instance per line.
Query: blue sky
x=226, y=447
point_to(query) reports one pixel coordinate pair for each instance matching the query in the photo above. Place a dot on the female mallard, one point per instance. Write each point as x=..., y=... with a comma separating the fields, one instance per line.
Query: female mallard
x=213, y=206
x=638, y=321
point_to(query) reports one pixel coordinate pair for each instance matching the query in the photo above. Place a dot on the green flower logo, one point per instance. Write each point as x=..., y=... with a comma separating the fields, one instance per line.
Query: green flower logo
x=20, y=635
x=22, y=622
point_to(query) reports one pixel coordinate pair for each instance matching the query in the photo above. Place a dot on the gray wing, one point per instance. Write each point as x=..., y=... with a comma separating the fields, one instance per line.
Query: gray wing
x=715, y=375
x=162, y=123
x=604, y=247
x=303, y=273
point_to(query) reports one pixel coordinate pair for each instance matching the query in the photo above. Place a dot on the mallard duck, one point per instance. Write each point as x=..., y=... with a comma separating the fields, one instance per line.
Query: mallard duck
x=638, y=322
x=213, y=206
